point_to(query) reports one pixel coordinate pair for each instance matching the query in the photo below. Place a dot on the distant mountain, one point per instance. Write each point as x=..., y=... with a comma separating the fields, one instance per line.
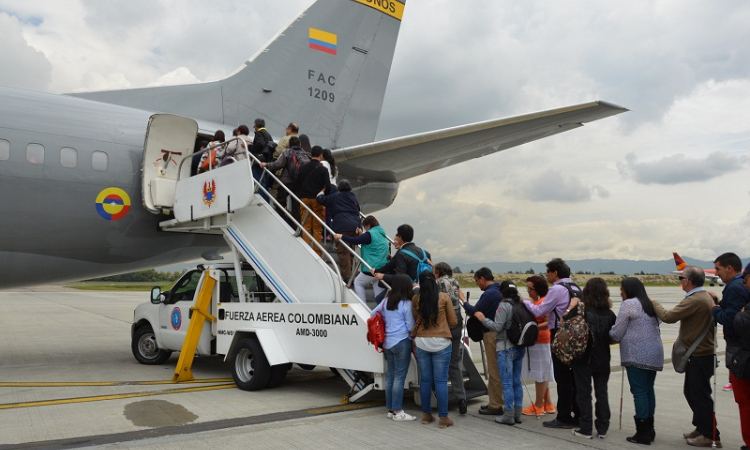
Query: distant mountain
x=618, y=266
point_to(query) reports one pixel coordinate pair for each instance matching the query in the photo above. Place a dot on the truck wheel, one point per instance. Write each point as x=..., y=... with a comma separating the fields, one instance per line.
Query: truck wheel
x=278, y=375
x=250, y=368
x=145, y=349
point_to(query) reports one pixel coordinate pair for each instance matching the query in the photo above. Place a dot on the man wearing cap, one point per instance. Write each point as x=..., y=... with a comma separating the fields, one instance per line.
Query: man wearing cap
x=734, y=297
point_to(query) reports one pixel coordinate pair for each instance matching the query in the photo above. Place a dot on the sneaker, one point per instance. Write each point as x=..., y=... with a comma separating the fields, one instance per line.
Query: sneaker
x=727, y=388
x=577, y=432
x=693, y=434
x=389, y=415
x=548, y=409
x=601, y=435
x=557, y=424
x=703, y=441
x=532, y=410
x=403, y=417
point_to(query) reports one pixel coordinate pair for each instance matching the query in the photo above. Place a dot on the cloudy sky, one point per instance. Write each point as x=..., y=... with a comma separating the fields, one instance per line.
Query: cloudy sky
x=670, y=175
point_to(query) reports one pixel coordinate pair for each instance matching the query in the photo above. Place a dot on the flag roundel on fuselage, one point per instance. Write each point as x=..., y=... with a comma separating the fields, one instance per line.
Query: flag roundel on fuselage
x=112, y=203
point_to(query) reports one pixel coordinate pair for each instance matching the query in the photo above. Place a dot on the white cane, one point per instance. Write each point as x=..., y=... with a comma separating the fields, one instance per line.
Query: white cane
x=622, y=388
x=716, y=363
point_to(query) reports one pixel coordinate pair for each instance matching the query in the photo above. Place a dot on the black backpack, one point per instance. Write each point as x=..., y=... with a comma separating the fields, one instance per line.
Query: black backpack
x=523, y=330
x=299, y=159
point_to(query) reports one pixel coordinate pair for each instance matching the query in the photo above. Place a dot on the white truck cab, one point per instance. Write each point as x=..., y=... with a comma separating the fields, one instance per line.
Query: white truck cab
x=159, y=326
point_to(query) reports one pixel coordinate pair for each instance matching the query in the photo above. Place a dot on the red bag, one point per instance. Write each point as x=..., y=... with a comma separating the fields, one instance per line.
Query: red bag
x=376, y=331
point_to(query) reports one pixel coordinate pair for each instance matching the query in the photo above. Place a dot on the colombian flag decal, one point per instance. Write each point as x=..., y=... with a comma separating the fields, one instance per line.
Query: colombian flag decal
x=323, y=41
x=112, y=203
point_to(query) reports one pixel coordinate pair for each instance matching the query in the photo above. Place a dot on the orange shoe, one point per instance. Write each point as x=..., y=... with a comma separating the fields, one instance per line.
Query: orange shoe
x=548, y=409
x=532, y=410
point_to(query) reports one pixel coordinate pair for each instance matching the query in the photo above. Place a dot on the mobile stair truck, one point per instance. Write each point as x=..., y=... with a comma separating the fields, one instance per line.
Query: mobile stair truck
x=276, y=304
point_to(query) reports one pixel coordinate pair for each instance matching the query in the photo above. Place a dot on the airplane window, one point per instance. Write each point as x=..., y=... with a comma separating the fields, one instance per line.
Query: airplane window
x=99, y=161
x=35, y=153
x=68, y=157
x=4, y=150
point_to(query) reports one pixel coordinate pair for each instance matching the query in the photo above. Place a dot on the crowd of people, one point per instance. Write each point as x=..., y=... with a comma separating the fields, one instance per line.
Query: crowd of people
x=582, y=386
x=423, y=311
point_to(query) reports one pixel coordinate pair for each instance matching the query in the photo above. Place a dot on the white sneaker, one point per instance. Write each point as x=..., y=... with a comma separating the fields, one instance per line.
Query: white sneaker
x=389, y=415
x=403, y=417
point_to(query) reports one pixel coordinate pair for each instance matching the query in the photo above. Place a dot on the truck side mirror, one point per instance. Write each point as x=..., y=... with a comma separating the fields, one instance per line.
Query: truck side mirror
x=156, y=296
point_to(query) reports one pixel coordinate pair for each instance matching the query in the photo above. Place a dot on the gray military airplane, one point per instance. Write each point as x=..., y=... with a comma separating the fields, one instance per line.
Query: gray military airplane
x=75, y=169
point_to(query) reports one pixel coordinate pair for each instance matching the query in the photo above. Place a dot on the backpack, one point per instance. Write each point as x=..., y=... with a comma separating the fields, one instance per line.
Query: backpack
x=376, y=331
x=573, y=337
x=450, y=287
x=268, y=150
x=475, y=329
x=422, y=263
x=299, y=159
x=523, y=330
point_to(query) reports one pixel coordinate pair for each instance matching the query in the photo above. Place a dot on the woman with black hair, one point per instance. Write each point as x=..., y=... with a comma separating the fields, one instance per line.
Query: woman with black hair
x=399, y=322
x=594, y=365
x=434, y=314
x=641, y=353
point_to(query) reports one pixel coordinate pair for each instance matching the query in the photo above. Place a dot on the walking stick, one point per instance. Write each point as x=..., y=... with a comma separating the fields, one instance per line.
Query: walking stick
x=716, y=363
x=622, y=387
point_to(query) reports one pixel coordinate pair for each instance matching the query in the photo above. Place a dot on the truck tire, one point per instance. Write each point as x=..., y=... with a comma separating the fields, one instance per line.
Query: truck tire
x=145, y=349
x=278, y=375
x=250, y=369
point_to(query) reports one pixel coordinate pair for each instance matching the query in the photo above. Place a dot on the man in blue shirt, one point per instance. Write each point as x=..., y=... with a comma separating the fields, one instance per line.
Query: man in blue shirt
x=734, y=297
x=488, y=304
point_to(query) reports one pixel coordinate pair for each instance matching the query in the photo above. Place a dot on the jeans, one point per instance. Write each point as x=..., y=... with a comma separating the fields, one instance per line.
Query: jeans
x=397, y=359
x=433, y=368
x=362, y=280
x=265, y=182
x=510, y=363
x=642, y=387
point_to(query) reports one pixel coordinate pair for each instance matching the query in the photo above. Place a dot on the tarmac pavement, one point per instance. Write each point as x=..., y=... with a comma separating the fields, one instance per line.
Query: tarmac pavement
x=69, y=380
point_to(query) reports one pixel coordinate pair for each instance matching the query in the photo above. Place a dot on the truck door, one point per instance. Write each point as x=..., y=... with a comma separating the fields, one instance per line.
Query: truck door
x=174, y=314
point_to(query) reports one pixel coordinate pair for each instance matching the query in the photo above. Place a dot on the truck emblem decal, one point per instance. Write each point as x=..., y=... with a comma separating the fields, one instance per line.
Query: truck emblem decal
x=176, y=318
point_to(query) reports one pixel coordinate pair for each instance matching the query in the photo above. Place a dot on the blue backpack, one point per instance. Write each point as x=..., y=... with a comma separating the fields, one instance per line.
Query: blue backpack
x=422, y=263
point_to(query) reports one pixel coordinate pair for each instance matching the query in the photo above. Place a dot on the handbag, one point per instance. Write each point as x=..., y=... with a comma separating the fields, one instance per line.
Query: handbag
x=681, y=356
x=739, y=365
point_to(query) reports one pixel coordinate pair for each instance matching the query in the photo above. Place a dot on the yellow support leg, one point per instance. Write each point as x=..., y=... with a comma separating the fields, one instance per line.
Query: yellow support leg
x=200, y=314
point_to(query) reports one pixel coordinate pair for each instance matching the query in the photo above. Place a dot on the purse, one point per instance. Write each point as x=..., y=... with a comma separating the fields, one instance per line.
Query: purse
x=739, y=365
x=681, y=356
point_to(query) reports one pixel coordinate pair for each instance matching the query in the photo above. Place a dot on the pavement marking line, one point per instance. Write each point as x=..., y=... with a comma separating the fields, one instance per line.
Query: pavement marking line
x=193, y=428
x=99, y=398
x=106, y=383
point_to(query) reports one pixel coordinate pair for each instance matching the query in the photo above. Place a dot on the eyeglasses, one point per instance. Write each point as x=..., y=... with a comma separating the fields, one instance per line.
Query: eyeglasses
x=682, y=278
x=530, y=289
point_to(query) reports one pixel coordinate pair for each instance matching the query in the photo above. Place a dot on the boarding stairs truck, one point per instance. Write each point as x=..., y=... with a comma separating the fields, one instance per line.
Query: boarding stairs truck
x=276, y=304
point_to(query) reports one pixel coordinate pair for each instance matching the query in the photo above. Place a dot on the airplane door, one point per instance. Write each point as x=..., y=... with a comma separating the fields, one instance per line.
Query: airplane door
x=170, y=140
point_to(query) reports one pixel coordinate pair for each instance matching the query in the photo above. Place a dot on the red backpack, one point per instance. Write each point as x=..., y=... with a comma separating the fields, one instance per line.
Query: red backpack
x=376, y=331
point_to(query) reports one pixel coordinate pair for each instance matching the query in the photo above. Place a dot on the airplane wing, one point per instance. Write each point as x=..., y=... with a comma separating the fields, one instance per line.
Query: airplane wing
x=399, y=159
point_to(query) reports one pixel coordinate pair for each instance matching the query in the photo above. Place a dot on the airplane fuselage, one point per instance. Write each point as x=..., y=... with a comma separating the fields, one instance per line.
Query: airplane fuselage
x=58, y=157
